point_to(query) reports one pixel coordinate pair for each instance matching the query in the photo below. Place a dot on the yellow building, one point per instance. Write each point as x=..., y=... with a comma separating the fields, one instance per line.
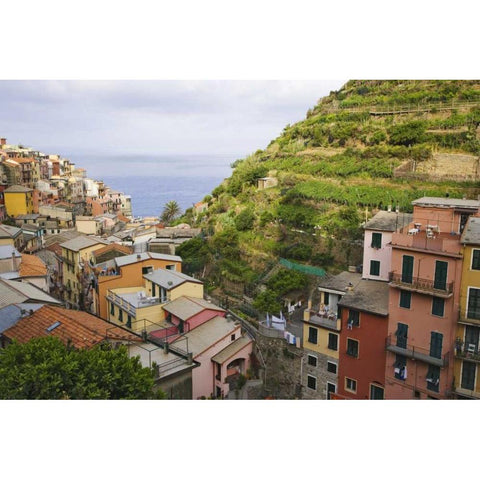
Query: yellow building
x=18, y=200
x=467, y=353
x=321, y=336
x=141, y=308
x=75, y=253
x=127, y=271
x=11, y=236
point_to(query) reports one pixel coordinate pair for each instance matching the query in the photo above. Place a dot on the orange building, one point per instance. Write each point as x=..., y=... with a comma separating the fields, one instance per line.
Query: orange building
x=126, y=271
x=425, y=299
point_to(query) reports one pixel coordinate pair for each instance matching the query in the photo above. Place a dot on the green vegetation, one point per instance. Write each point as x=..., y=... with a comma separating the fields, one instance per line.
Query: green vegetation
x=335, y=169
x=44, y=368
x=170, y=212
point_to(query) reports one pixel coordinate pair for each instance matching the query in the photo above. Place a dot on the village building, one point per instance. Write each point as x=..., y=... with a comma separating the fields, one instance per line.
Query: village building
x=467, y=341
x=425, y=283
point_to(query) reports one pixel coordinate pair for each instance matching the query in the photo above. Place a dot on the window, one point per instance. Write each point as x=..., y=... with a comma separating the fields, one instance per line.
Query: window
x=129, y=321
x=440, y=281
x=170, y=267
x=112, y=309
x=353, y=318
x=120, y=315
x=374, y=267
x=352, y=347
x=400, y=367
x=332, y=341
x=405, y=299
x=436, y=340
x=473, y=303
x=326, y=298
x=376, y=392
x=376, y=240
x=146, y=270
x=350, y=385
x=402, y=335
x=331, y=367
x=232, y=337
x=438, y=306
x=154, y=287
x=476, y=260
x=311, y=382
x=468, y=375
x=312, y=360
x=312, y=335
x=471, y=338
x=433, y=378
x=407, y=269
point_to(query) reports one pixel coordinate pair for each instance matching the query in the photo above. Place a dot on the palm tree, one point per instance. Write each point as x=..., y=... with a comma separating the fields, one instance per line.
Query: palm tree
x=171, y=210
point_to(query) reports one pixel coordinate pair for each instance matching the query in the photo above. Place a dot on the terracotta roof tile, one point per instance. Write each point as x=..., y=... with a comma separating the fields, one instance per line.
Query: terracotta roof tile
x=81, y=329
x=32, y=266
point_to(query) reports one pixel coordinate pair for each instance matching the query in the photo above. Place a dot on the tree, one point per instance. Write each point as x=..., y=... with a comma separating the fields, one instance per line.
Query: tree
x=171, y=210
x=267, y=301
x=244, y=220
x=45, y=368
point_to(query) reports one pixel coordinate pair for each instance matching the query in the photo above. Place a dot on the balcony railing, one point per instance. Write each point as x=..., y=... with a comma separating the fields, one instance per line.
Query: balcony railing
x=421, y=285
x=468, y=351
x=123, y=304
x=414, y=352
x=468, y=320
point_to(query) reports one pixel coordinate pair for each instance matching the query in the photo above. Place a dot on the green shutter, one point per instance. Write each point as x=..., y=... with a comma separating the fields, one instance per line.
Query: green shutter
x=153, y=289
x=405, y=299
x=473, y=303
x=374, y=267
x=407, y=269
x=438, y=306
x=402, y=335
x=468, y=375
x=376, y=240
x=440, y=275
x=436, y=340
x=120, y=315
x=476, y=260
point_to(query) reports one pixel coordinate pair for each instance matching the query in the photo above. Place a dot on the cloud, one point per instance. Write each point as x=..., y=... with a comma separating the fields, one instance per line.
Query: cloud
x=206, y=116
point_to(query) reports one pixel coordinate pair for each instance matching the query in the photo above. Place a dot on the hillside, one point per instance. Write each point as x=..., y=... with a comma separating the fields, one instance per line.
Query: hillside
x=368, y=146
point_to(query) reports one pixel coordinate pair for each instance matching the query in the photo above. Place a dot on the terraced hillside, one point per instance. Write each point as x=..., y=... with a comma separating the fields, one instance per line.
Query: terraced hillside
x=368, y=146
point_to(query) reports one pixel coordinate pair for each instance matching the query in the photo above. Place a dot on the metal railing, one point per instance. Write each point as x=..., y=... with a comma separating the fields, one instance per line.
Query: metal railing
x=414, y=352
x=421, y=284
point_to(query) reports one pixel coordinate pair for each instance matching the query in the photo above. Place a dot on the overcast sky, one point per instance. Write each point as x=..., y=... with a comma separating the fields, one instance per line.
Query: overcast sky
x=146, y=116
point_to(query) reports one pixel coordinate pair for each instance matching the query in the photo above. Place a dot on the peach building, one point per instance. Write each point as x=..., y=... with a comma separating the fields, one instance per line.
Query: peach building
x=425, y=299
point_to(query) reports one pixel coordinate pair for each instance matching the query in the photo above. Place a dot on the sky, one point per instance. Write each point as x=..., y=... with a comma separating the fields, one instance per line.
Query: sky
x=154, y=116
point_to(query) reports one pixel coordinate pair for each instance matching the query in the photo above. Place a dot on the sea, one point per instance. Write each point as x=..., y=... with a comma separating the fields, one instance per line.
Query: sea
x=153, y=180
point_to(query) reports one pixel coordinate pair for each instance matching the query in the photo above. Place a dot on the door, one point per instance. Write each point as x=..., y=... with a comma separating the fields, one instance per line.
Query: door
x=407, y=269
x=468, y=375
x=376, y=392
x=331, y=388
x=402, y=334
x=440, y=282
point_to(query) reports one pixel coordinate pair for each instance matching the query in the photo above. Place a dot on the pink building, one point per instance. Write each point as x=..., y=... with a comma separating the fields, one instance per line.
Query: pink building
x=221, y=350
x=377, y=250
x=424, y=299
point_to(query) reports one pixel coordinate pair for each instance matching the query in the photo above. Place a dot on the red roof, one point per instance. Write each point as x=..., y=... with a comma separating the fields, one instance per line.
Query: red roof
x=80, y=329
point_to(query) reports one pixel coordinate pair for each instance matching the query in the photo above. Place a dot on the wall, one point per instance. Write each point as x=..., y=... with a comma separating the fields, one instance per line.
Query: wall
x=282, y=376
x=20, y=203
x=131, y=276
x=369, y=366
x=383, y=255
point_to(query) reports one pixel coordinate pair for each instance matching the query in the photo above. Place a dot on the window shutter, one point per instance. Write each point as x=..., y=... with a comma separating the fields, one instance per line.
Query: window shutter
x=436, y=340
x=407, y=269
x=441, y=269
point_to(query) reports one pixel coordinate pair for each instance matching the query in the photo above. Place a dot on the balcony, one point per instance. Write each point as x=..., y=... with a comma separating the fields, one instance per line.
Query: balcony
x=324, y=319
x=469, y=351
x=123, y=304
x=415, y=353
x=421, y=285
x=441, y=243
